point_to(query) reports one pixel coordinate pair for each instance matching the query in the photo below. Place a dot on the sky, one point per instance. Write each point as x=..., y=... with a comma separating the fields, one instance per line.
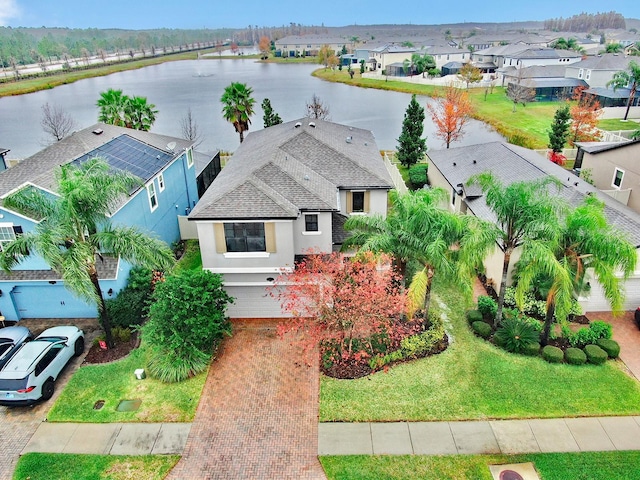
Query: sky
x=146, y=14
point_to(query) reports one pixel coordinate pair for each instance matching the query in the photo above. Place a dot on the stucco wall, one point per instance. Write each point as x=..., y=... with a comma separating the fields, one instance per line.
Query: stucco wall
x=320, y=240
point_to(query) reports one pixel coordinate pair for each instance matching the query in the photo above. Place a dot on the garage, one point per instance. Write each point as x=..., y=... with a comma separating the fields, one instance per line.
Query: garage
x=253, y=302
x=596, y=302
x=49, y=301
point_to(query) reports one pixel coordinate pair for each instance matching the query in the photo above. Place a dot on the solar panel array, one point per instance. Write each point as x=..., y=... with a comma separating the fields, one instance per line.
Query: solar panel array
x=127, y=153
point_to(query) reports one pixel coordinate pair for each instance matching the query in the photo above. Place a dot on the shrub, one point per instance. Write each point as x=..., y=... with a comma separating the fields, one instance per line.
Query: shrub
x=419, y=345
x=575, y=356
x=514, y=334
x=589, y=335
x=595, y=354
x=532, y=349
x=552, y=354
x=482, y=329
x=418, y=175
x=600, y=330
x=488, y=307
x=171, y=366
x=121, y=334
x=130, y=306
x=474, y=316
x=610, y=346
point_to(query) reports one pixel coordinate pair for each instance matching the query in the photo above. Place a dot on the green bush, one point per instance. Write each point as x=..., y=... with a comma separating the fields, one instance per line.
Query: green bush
x=419, y=345
x=474, y=316
x=601, y=329
x=418, y=175
x=488, y=307
x=171, y=366
x=595, y=354
x=514, y=335
x=129, y=308
x=552, y=354
x=532, y=349
x=482, y=329
x=575, y=356
x=589, y=335
x=610, y=346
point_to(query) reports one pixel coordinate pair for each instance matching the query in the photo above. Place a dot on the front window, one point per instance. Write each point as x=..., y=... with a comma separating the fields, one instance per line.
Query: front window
x=588, y=75
x=358, y=201
x=189, y=158
x=617, y=178
x=161, y=182
x=580, y=73
x=311, y=223
x=151, y=193
x=245, y=237
x=7, y=234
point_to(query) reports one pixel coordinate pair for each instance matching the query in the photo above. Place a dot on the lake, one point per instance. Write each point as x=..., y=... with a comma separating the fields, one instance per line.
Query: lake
x=175, y=87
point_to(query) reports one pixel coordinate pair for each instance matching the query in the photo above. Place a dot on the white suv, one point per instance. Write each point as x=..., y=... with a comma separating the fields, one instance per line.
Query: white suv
x=30, y=374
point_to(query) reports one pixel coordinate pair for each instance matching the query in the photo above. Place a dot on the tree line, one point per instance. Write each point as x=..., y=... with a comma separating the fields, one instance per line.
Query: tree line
x=586, y=22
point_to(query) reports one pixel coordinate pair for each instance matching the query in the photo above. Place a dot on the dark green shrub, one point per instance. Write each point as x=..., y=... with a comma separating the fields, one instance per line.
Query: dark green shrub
x=487, y=307
x=552, y=354
x=595, y=354
x=600, y=330
x=532, y=349
x=514, y=335
x=418, y=175
x=130, y=306
x=482, y=329
x=474, y=316
x=575, y=356
x=610, y=346
x=121, y=334
x=590, y=335
x=171, y=366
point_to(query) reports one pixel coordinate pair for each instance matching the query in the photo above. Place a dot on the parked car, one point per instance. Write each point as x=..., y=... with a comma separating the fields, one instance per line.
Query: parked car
x=30, y=375
x=11, y=339
x=637, y=316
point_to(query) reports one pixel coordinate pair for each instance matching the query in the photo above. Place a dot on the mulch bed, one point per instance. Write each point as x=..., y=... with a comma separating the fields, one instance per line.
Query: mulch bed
x=120, y=350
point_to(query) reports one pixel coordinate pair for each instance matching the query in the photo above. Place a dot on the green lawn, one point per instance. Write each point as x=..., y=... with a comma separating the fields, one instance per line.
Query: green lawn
x=615, y=124
x=191, y=260
x=550, y=466
x=161, y=402
x=473, y=379
x=47, y=466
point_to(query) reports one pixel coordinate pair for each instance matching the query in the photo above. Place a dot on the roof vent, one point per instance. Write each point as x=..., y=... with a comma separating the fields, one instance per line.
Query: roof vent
x=171, y=146
x=306, y=177
x=474, y=162
x=366, y=144
x=454, y=164
x=97, y=131
x=312, y=124
x=297, y=125
x=349, y=139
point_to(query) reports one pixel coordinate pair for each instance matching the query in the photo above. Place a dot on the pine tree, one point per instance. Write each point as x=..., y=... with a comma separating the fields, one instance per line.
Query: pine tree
x=270, y=117
x=411, y=145
x=559, y=129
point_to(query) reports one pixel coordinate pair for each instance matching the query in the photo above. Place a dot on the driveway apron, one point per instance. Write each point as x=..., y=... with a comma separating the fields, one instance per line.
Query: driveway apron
x=258, y=415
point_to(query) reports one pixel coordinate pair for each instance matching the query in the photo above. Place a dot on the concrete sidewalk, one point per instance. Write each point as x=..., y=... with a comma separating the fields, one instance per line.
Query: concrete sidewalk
x=480, y=437
x=110, y=438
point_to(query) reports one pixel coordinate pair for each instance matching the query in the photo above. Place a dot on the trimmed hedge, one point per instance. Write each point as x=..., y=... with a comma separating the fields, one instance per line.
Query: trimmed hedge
x=575, y=356
x=474, y=316
x=595, y=354
x=532, y=349
x=552, y=354
x=418, y=175
x=610, y=346
x=482, y=329
x=487, y=307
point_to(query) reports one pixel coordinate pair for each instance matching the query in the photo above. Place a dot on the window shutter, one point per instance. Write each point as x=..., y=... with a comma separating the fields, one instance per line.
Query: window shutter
x=218, y=235
x=349, y=202
x=366, y=201
x=270, y=236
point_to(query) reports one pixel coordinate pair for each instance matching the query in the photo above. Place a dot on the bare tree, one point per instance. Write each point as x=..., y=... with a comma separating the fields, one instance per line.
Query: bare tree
x=317, y=109
x=519, y=93
x=56, y=122
x=190, y=129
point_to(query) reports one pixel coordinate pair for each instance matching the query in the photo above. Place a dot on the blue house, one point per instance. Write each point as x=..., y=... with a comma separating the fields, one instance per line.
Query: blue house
x=164, y=164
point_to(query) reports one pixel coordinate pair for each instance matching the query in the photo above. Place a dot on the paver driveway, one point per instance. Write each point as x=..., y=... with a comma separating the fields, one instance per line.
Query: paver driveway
x=258, y=415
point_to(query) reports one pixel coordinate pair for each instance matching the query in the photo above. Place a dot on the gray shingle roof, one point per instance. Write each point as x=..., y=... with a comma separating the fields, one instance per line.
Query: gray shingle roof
x=607, y=61
x=546, y=53
x=510, y=163
x=281, y=170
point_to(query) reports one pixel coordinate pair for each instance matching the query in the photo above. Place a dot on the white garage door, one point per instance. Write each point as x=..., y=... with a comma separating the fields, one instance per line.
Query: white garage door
x=598, y=303
x=253, y=302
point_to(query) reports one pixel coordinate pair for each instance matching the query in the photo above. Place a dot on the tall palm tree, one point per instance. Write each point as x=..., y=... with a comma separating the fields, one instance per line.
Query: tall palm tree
x=418, y=228
x=139, y=114
x=112, y=105
x=584, y=241
x=524, y=212
x=238, y=106
x=74, y=230
x=629, y=79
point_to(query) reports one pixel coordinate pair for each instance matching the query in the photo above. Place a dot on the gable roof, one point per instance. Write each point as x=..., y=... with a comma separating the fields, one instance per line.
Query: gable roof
x=546, y=53
x=606, y=61
x=300, y=165
x=594, y=148
x=510, y=163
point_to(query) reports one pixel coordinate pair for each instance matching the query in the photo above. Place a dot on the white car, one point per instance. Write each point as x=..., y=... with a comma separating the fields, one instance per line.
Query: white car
x=31, y=373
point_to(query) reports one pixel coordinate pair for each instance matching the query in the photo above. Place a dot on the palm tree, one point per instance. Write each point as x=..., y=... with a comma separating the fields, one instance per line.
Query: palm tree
x=139, y=114
x=418, y=228
x=238, y=106
x=584, y=241
x=112, y=105
x=524, y=212
x=74, y=230
x=627, y=79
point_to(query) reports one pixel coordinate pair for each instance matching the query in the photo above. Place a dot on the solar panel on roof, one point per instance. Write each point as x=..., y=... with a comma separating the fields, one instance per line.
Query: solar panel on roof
x=127, y=153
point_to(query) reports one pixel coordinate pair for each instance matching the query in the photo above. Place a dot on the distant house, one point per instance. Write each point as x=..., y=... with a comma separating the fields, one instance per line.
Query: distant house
x=307, y=45
x=541, y=56
x=546, y=83
x=286, y=190
x=164, y=164
x=599, y=70
x=388, y=54
x=452, y=168
x=446, y=54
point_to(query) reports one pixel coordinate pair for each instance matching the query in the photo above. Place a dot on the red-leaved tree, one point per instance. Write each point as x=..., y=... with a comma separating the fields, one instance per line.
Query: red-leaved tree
x=584, y=119
x=450, y=114
x=335, y=298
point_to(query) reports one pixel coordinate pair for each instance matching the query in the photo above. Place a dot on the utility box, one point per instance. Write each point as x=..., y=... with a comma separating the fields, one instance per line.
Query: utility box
x=140, y=374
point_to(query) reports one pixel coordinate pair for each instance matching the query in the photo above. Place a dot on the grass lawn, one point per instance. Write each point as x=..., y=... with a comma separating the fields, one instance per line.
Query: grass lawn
x=550, y=466
x=191, y=260
x=161, y=402
x=473, y=379
x=615, y=124
x=45, y=466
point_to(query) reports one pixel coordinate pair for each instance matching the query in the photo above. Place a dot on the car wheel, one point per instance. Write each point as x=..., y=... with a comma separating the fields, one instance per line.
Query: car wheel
x=78, y=347
x=48, y=388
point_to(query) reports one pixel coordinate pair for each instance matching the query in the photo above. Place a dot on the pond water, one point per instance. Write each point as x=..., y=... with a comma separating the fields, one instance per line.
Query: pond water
x=175, y=87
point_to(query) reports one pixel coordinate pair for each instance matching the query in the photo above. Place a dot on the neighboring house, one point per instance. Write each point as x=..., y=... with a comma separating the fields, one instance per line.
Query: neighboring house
x=445, y=54
x=165, y=166
x=452, y=168
x=286, y=190
x=307, y=45
x=541, y=56
x=388, y=54
x=547, y=83
x=614, y=169
x=598, y=71
x=495, y=55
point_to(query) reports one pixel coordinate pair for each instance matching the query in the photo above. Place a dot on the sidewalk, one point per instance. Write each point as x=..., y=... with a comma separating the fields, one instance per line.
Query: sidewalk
x=480, y=437
x=110, y=438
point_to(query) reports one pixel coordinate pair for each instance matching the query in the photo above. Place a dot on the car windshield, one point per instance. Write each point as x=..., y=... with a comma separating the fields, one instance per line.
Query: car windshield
x=52, y=339
x=12, y=384
x=4, y=346
x=25, y=357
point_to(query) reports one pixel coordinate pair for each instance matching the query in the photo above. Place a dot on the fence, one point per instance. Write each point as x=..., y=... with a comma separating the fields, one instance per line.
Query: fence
x=397, y=179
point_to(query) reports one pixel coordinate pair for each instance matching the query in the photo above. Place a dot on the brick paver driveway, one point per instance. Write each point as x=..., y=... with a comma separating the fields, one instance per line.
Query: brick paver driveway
x=258, y=415
x=626, y=333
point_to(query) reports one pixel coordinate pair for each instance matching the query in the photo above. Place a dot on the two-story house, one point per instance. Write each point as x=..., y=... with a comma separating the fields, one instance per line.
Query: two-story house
x=168, y=189
x=287, y=190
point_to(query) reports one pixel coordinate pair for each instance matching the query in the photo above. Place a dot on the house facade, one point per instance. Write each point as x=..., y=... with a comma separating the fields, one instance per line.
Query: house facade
x=165, y=166
x=451, y=169
x=307, y=45
x=286, y=191
x=599, y=70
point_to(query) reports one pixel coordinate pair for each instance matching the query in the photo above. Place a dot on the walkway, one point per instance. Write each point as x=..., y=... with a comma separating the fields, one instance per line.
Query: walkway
x=258, y=415
x=480, y=437
x=627, y=334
